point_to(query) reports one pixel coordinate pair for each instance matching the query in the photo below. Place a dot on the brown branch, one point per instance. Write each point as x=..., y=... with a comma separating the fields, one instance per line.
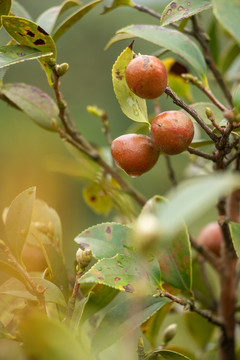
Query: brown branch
x=73, y=136
x=147, y=11
x=171, y=173
x=72, y=300
x=202, y=154
x=188, y=304
x=192, y=112
x=36, y=290
x=202, y=38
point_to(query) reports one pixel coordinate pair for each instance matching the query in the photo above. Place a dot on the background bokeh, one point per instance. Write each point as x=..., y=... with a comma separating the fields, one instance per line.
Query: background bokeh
x=26, y=149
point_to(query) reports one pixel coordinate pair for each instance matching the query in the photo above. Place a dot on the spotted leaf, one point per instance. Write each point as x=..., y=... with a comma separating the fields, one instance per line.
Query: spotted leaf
x=132, y=106
x=106, y=240
x=122, y=272
x=14, y=54
x=181, y=9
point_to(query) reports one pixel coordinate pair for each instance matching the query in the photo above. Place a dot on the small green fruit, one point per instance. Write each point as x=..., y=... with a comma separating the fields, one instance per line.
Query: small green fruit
x=146, y=76
x=134, y=153
x=172, y=132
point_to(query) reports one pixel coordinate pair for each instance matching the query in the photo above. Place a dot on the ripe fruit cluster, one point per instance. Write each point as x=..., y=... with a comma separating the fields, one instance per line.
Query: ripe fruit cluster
x=171, y=131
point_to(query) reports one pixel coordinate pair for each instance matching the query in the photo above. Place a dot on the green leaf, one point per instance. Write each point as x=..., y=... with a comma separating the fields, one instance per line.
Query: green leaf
x=73, y=18
x=200, y=143
x=168, y=355
x=48, y=339
x=52, y=292
x=195, y=324
x=132, y=106
x=99, y=297
x=211, y=188
x=14, y=54
x=228, y=56
x=117, y=3
x=236, y=99
x=58, y=271
x=123, y=318
x=105, y=240
x=18, y=220
x=235, y=232
x=33, y=102
x=228, y=14
x=175, y=260
x=150, y=328
x=181, y=9
x=48, y=18
x=28, y=33
x=123, y=273
x=18, y=10
x=172, y=40
x=5, y=7
x=97, y=199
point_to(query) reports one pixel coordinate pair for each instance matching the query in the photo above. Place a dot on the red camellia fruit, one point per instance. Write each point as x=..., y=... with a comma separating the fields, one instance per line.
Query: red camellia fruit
x=172, y=132
x=211, y=237
x=134, y=153
x=146, y=76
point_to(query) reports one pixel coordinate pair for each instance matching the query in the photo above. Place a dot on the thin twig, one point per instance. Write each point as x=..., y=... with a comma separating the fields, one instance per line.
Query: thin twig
x=147, y=11
x=73, y=136
x=188, y=304
x=36, y=290
x=201, y=154
x=192, y=112
x=171, y=173
x=72, y=300
x=208, y=255
x=202, y=38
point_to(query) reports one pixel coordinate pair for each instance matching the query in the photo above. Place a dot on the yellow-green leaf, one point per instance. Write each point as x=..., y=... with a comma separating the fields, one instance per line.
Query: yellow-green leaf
x=132, y=106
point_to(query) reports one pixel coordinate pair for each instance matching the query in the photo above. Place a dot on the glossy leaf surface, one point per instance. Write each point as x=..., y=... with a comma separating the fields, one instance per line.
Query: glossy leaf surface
x=172, y=40
x=181, y=9
x=14, y=54
x=35, y=103
x=132, y=106
x=228, y=14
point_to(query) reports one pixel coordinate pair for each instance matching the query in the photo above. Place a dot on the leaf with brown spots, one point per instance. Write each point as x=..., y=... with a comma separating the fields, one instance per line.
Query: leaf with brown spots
x=132, y=106
x=121, y=272
x=181, y=9
x=125, y=317
x=106, y=240
x=97, y=198
x=28, y=33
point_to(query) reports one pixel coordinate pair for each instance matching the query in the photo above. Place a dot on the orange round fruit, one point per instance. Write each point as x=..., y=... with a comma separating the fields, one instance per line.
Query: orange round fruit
x=211, y=237
x=134, y=153
x=172, y=132
x=146, y=76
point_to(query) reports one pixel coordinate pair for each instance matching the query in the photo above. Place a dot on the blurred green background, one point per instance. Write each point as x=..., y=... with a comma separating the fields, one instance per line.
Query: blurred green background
x=25, y=148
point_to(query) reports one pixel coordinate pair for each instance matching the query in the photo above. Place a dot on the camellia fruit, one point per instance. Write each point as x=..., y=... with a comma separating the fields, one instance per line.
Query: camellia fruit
x=134, y=153
x=146, y=76
x=211, y=237
x=172, y=132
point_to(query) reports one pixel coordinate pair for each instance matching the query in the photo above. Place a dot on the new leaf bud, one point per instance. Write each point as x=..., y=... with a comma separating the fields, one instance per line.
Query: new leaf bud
x=169, y=333
x=62, y=69
x=84, y=257
x=146, y=232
